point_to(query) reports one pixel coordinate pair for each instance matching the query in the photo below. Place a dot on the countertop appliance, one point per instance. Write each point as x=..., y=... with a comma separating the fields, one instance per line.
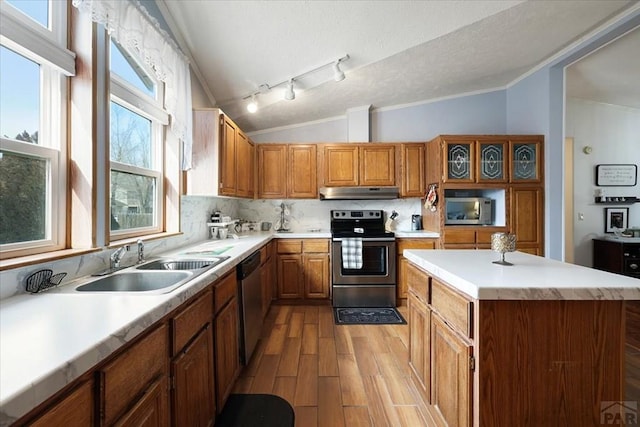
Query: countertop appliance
x=416, y=222
x=468, y=211
x=251, y=320
x=369, y=278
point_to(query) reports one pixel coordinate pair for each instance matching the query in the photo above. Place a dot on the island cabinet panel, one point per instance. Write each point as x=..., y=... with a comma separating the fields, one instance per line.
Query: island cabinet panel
x=451, y=375
x=419, y=344
x=75, y=409
x=548, y=363
x=136, y=380
x=452, y=306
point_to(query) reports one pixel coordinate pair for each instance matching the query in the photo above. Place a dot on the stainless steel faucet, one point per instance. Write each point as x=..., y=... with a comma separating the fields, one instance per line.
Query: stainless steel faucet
x=140, y=251
x=117, y=255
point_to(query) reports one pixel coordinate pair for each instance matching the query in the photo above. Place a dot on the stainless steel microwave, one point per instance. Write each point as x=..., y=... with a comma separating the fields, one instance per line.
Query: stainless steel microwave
x=469, y=210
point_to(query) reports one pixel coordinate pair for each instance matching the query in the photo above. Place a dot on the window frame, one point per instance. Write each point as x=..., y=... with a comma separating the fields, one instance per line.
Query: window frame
x=47, y=48
x=128, y=96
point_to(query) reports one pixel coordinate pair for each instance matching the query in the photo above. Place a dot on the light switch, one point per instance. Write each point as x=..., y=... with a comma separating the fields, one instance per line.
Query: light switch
x=581, y=216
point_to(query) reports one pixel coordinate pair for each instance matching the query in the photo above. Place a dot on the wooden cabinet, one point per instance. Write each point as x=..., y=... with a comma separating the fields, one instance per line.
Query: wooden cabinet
x=192, y=376
x=74, y=409
x=267, y=271
x=617, y=256
x=136, y=381
x=525, y=159
x=463, y=237
x=287, y=171
x=527, y=216
x=419, y=330
x=412, y=165
x=150, y=410
x=402, y=263
x=223, y=157
x=359, y=165
x=451, y=375
x=226, y=337
x=303, y=269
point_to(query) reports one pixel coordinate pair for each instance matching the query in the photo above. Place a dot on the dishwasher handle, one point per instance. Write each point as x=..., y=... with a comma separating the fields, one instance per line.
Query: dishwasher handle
x=249, y=265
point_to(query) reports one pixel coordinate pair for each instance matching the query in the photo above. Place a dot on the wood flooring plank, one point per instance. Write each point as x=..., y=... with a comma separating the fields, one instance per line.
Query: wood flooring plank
x=275, y=342
x=330, y=411
x=410, y=416
x=295, y=324
x=398, y=384
x=351, y=384
x=282, y=316
x=377, y=339
x=288, y=366
x=310, y=338
x=400, y=353
x=306, y=416
x=364, y=356
x=357, y=416
x=325, y=322
x=307, y=384
x=254, y=362
x=380, y=406
x=343, y=340
x=311, y=314
x=266, y=374
x=327, y=358
x=285, y=387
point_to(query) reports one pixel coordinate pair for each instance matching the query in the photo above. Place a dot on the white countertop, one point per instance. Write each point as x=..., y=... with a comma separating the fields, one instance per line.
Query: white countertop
x=47, y=340
x=530, y=278
x=417, y=234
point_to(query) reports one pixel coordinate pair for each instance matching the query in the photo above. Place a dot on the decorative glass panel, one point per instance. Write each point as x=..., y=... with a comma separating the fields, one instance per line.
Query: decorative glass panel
x=458, y=158
x=491, y=161
x=132, y=201
x=20, y=100
x=23, y=197
x=524, y=162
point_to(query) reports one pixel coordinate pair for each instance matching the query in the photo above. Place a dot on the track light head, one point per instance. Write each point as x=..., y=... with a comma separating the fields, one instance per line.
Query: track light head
x=252, y=106
x=338, y=74
x=289, y=94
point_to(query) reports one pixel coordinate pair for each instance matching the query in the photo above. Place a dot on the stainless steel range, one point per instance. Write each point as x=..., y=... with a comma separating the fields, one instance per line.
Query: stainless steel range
x=363, y=257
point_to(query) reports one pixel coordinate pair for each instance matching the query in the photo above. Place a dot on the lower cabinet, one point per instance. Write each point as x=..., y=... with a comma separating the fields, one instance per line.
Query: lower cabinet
x=75, y=409
x=267, y=275
x=419, y=344
x=451, y=375
x=134, y=385
x=227, y=352
x=303, y=269
x=402, y=262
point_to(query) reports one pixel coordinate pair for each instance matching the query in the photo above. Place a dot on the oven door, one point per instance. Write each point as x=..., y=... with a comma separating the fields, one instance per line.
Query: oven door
x=378, y=263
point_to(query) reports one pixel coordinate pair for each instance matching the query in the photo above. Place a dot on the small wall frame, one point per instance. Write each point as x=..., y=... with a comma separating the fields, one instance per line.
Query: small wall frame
x=616, y=175
x=616, y=219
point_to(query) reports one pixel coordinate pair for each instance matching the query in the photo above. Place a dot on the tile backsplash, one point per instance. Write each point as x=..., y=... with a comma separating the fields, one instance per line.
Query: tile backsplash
x=195, y=213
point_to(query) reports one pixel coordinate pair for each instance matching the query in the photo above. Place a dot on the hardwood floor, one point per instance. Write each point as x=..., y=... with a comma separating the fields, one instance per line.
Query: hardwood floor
x=355, y=375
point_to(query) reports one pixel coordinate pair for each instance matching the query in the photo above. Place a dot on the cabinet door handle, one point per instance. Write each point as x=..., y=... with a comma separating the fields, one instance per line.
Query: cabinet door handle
x=633, y=266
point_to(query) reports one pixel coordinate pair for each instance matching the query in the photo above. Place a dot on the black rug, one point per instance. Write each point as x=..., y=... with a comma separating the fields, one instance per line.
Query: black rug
x=368, y=316
x=251, y=410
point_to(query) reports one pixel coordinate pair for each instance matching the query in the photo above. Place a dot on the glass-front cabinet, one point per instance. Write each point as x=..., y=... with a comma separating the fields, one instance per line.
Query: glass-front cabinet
x=492, y=161
x=525, y=160
x=459, y=163
x=471, y=160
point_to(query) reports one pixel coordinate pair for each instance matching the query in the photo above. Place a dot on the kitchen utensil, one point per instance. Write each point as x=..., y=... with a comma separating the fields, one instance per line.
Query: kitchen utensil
x=416, y=222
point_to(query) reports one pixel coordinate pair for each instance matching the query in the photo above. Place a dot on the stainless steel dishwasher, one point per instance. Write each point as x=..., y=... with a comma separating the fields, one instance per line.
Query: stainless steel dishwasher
x=250, y=305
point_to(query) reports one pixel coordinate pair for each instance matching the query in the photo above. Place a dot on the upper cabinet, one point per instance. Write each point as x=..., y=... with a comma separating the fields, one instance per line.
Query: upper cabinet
x=359, y=165
x=526, y=159
x=287, y=171
x=412, y=167
x=223, y=157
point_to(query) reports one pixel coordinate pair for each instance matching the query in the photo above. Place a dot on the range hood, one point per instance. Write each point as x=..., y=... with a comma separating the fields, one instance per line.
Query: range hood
x=359, y=193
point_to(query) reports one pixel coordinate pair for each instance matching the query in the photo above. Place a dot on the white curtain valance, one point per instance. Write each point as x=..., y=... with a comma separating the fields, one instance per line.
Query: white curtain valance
x=131, y=25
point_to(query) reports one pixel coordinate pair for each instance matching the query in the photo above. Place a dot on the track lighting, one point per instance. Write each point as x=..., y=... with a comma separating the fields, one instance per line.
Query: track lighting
x=338, y=74
x=289, y=94
x=252, y=106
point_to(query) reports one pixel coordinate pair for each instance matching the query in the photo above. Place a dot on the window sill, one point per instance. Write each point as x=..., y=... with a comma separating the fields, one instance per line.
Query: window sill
x=8, y=264
x=147, y=238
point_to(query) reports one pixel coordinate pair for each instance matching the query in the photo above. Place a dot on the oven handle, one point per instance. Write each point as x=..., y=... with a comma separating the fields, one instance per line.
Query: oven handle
x=369, y=239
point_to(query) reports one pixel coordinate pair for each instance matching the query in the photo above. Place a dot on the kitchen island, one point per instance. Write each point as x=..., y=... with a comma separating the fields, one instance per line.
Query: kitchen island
x=538, y=343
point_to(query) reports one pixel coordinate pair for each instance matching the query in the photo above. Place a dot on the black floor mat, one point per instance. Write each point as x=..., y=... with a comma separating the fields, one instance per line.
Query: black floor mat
x=368, y=316
x=256, y=410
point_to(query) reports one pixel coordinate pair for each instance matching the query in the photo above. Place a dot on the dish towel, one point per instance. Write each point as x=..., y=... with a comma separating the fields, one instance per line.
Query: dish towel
x=352, y=253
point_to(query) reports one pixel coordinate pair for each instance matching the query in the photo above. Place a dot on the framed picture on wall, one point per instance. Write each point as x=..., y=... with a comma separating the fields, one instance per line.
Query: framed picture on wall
x=616, y=219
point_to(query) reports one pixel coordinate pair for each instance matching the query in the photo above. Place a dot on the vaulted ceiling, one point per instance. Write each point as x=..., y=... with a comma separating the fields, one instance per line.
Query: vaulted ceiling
x=400, y=51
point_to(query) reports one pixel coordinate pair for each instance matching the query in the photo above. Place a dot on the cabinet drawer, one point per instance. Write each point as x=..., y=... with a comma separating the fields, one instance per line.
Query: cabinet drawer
x=189, y=321
x=225, y=289
x=404, y=244
x=455, y=309
x=289, y=246
x=126, y=377
x=459, y=236
x=315, y=246
x=418, y=282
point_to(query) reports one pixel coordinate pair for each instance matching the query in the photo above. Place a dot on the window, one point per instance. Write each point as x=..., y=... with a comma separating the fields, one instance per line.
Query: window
x=136, y=136
x=33, y=65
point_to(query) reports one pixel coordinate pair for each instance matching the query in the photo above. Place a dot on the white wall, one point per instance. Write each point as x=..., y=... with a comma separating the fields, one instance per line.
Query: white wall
x=613, y=133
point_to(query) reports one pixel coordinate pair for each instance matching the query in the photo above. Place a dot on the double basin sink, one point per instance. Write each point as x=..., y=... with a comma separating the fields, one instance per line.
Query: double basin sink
x=158, y=276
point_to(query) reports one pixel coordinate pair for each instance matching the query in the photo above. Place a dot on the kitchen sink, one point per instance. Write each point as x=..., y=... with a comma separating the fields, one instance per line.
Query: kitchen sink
x=182, y=264
x=138, y=281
